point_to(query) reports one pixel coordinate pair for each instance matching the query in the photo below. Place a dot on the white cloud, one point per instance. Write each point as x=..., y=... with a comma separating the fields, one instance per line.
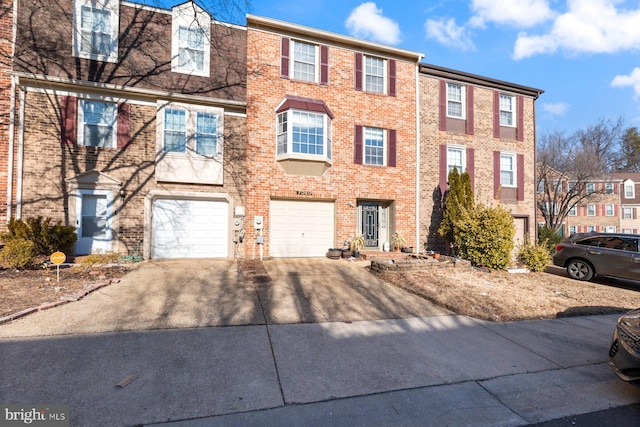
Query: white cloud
x=555, y=108
x=446, y=32
x=588, y=26
x=519, y=14
x=632, y=80
x=367, y=21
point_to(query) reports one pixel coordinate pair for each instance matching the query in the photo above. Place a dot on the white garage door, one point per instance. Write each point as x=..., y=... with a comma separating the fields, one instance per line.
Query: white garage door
x=301, y=229
x=189, y=229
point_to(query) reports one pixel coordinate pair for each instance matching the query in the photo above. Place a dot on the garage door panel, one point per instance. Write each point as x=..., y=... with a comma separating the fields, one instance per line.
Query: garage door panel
x=301, y=228
x=189, y=228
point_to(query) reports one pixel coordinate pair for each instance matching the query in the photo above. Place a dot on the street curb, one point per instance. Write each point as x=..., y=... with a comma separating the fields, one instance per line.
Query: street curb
x=63, y=300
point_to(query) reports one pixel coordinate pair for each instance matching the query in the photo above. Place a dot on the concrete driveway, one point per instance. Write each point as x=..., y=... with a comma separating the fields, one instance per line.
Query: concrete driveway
x=200, y=293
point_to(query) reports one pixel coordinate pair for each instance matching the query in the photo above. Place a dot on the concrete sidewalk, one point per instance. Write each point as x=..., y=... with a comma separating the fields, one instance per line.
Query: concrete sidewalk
x=298, y=342
x=440, y=370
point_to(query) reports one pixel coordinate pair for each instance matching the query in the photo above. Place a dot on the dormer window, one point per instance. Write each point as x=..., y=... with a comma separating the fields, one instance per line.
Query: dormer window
x=190, y=41
x=629, y=189
x=96, y=30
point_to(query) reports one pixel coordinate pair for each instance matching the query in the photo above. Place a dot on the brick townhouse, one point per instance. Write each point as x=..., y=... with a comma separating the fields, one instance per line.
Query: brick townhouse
x=130, y=126
x=141, y=124
x=332, y=139
x=482, y=126
x=613, y=209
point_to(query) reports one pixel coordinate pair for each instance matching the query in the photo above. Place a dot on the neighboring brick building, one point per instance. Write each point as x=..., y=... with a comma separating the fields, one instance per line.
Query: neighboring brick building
x=614, y=208
x=331, y=124
x=132, y=126
x=7, y=102
x=482, y=126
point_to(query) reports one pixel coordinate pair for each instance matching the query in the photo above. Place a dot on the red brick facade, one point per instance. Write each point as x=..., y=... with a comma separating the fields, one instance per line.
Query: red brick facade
x=345, y=183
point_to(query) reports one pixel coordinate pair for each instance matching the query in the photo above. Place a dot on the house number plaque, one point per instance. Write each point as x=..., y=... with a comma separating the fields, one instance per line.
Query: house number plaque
x=304, y=193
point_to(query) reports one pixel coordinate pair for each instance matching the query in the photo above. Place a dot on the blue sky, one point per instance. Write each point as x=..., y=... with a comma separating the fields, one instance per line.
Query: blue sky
x=585, y=54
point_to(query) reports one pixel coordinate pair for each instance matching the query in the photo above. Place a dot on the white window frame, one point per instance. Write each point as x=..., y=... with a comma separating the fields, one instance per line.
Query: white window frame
x=548, y=206
x=367, y=135
x=111, y=6
x=462, y=101
x=573, y=211
x=573, y=229
x=297, y=59
x=191, y=114
x=285, y=124
x=591, y=228
x=540, y=188
x=368, y=87
x=591, y=210
x=627, y=213
x=609, y=210
x=511, y=111
x=627, y=231
x=463, y=158
x=190, y=16
x=591, y=187
x=610, y=228
x=608, y=188
x=629, y=189
x=81, y=122
x=513, y=171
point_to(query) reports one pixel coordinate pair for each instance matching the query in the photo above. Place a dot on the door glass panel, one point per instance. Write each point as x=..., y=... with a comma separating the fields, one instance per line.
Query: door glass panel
x=94, y=215
x=370, y=225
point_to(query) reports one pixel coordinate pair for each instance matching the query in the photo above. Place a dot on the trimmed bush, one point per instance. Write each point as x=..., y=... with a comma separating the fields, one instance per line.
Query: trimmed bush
x=18, y=253
x=484, y=236
x=47, y=237
x=535, y=257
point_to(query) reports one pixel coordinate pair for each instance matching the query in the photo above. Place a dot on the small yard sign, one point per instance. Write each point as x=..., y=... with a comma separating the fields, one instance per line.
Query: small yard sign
x=58, y=258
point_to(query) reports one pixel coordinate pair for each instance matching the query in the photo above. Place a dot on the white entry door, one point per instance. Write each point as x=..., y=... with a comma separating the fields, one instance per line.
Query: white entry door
x=93, y=221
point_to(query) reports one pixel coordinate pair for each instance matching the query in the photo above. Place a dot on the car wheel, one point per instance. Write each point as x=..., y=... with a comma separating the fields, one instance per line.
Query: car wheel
x=579, y=270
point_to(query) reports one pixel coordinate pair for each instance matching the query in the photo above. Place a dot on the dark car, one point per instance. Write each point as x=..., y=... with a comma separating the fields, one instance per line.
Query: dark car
x=624, y=355
x=603, y=254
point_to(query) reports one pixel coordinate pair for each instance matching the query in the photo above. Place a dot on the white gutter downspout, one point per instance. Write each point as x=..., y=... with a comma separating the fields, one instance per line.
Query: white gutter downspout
x=418, y=118
x=20, y=156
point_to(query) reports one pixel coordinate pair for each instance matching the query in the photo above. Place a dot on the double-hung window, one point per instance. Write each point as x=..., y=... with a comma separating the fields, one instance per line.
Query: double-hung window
x=188, y=129
x=305, y=61
x=191, y=48
x=190, y=41
x=627, y=213
x=629, y=190
x=608, y=187
x=97, y=123
x=96, y=30
x=591, y=188
x=455, y=101
x=608, y=210
x=374, y=146
x=573, y=229
x=374, y=72
x=573, y=211
x=507, y=170
x=507, y=110
x=591, y=210
x=456, y=158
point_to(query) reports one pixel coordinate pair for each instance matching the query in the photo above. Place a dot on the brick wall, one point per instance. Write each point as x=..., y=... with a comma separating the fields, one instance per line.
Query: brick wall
x=6, y=37
x=47, y=163
x=344, y=182
x=484, y=144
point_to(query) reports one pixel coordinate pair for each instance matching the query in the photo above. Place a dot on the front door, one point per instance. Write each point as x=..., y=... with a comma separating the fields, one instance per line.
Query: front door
x=93, y=221
x=370, y=225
